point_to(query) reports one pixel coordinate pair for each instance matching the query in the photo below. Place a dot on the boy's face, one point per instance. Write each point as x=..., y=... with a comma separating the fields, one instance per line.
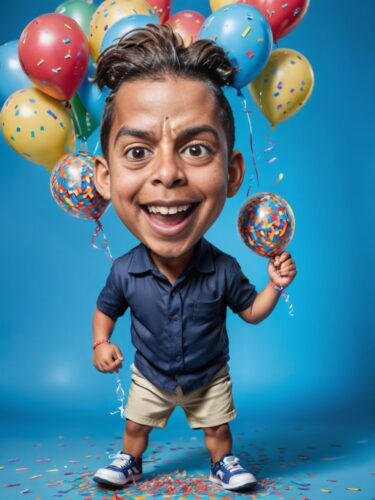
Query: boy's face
x=167, y=153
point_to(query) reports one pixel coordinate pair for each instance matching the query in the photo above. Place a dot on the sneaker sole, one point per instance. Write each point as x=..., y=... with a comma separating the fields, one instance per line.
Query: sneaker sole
x=108, y=481
x=234, y=487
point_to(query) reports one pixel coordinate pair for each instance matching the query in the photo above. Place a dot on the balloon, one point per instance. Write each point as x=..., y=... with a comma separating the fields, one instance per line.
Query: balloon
x=188, y=24
x=282, y=16
x=12, y=76
x=108, y=13
x=245, y=35
x=123, y=26
x=37, y=127
x=162, y=8
x=73, y=189
x=53, y=52
x=92, y=98
x=78, y=10
x=84, y=123
x=284, y=85
x=217, y=4
x=266, y=224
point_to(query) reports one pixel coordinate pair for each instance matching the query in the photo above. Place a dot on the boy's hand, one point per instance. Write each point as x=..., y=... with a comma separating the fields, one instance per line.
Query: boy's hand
x=282, y=270
x=107, y=358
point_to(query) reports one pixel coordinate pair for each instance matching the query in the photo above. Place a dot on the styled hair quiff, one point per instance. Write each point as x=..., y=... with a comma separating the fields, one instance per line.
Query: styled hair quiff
x=156, y=52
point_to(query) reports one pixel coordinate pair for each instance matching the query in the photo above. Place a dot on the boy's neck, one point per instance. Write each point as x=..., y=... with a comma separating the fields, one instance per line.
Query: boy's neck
x=173, y=267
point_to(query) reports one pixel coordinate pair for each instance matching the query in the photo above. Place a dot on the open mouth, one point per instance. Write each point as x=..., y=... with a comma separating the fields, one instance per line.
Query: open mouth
x=169, y=220
x=169, y=215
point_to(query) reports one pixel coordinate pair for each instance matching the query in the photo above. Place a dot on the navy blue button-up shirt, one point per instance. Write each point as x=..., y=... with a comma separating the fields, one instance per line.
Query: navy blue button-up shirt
x=179, y=331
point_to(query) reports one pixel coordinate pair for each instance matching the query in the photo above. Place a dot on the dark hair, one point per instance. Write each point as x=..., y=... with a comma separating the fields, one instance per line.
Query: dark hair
x=155, y=52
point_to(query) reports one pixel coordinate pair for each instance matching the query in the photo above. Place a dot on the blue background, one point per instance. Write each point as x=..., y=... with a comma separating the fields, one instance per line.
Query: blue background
x=317, y=367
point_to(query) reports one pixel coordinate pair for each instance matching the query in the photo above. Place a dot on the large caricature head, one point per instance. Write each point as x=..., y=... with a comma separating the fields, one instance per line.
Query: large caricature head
x=167, y=137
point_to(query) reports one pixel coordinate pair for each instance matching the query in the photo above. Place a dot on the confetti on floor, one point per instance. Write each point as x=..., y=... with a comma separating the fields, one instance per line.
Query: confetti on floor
x=291, y=464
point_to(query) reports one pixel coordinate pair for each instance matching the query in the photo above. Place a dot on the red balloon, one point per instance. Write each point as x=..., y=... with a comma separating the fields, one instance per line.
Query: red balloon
x=283, y=16
x=54, y=54
x=162, y=8
x=188, y=24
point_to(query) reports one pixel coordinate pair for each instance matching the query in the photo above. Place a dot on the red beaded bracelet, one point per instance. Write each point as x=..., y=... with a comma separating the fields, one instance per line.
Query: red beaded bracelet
x=98, y=342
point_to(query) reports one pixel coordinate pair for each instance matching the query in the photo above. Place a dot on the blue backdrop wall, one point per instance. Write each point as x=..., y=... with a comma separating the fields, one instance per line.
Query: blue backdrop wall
x=316, y=366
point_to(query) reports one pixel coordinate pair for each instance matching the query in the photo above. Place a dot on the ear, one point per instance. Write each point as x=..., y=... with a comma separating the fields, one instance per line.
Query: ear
x=102, y=178
x=236, y=172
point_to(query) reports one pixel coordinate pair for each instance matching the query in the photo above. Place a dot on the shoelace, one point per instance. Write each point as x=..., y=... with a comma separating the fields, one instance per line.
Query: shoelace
x=120, y=461
x=233, y=465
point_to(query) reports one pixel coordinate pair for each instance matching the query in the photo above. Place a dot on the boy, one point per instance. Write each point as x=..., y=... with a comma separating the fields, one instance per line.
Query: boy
x=168, y=165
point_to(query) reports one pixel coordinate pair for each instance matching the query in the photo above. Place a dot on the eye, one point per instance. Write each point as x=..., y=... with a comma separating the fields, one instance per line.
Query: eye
x=137, y=153
x=198, y=150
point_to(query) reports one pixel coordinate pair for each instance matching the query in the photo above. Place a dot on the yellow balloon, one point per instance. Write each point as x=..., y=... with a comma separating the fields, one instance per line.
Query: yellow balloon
x=217, y=4
x=108, y=13
x=284, y=85
x=37, y=126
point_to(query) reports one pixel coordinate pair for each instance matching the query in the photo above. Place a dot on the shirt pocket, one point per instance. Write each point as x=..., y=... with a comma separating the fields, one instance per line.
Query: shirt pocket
x=208, y=311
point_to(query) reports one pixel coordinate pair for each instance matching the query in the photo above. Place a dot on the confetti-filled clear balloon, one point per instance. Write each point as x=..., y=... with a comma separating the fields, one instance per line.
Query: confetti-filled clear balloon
x=266, y=224
x=37, y=127
x=72, y=186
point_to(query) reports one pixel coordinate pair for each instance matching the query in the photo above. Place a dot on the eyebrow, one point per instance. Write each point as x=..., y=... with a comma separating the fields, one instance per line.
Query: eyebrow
x=184, y=135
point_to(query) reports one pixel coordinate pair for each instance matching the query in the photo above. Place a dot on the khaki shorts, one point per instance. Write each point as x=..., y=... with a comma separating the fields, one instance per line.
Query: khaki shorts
x=206, y=407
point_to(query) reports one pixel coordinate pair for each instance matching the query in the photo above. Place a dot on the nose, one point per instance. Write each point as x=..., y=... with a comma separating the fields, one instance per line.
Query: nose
x=169, y=170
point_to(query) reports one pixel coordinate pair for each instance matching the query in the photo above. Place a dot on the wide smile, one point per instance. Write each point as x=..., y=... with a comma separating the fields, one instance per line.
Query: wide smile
x=170, y=220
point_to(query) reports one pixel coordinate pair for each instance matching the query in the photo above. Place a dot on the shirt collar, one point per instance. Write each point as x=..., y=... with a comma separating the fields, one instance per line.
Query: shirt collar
x=202, y=259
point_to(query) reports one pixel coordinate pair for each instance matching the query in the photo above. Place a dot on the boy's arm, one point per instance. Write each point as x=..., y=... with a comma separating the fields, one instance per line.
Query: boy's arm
x=102, y=326
x=262, y=306
x=107, y=357
x=282, y=271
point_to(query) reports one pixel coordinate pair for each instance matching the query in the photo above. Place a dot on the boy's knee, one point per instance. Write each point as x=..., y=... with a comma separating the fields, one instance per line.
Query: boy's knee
x=137, y=429
x=219, y=431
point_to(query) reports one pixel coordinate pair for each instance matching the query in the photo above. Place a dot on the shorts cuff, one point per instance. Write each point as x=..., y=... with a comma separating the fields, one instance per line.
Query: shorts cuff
x=161, y=423
x=211, y=422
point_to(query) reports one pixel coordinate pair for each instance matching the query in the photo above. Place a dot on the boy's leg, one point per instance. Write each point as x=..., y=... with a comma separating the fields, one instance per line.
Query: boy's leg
x=218, y=440
x=136, y=438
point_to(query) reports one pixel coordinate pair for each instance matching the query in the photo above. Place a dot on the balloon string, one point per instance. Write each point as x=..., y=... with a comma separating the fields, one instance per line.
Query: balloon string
x=105, y=247
x=120, y=395
x=96, y=147
x=286, y=297
x=248, y=112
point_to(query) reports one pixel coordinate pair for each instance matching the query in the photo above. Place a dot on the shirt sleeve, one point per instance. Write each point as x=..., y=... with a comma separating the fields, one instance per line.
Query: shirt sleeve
x=111, y=300
x=240, y=292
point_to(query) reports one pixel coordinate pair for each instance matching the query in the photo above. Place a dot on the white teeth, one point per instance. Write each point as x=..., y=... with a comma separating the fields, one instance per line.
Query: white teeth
x=167, y=210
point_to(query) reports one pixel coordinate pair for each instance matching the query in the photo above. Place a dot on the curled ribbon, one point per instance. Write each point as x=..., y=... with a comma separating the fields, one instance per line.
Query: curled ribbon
x=120, y=395
x=105, y=247
x=248, y=112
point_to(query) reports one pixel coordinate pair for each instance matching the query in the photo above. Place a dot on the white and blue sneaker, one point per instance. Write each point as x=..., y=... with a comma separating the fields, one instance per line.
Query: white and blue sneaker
x=229, y=473
x=124, y=469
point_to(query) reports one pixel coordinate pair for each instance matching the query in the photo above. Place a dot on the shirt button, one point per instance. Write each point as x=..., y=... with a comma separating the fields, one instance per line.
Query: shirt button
x=178, y=358
x=174, y=293
x=175, y=317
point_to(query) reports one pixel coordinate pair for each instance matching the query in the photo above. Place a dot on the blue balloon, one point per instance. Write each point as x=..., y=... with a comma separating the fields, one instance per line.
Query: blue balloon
x=246, y=37
x=92, y=98
x=12, y=77
x=124, y=25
